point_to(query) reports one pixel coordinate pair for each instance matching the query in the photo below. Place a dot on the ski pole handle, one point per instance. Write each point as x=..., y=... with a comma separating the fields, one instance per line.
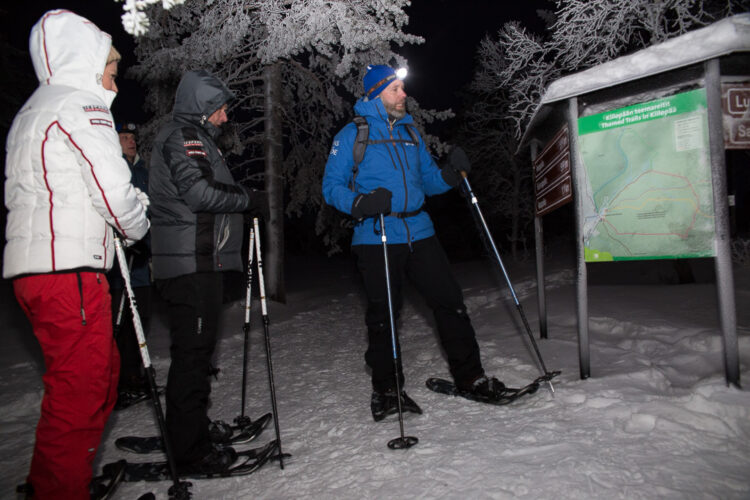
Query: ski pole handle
x=261, y=281
x=248, y=292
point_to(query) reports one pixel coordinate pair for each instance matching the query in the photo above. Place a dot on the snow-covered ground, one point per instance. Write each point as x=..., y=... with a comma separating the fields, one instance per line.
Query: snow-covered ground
x=655, y=420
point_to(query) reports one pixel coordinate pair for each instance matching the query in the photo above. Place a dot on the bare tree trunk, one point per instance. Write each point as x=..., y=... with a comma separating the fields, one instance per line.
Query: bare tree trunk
x=273, y=257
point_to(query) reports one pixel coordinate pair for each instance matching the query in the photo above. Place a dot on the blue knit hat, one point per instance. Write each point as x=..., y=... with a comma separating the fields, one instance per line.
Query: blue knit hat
x=377, y=78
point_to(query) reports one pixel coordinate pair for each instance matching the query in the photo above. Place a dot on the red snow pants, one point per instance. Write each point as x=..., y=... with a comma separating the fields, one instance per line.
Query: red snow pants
x=80, y=382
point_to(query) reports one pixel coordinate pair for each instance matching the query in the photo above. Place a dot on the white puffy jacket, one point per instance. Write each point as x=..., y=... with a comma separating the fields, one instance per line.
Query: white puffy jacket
x=67, y=184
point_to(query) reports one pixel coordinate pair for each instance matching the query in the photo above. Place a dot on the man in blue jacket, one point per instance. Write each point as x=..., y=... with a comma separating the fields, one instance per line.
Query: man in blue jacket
x=393, y=178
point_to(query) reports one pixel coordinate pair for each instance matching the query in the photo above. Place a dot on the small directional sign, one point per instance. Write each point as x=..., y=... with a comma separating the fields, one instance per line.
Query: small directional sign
x=735, y=101
x=552, y=180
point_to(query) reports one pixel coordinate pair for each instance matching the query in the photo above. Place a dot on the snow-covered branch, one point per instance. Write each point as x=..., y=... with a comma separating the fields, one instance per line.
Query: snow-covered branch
x=135, y=21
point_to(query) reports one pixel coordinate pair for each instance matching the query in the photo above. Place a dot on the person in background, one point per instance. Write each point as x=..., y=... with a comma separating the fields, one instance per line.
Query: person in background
x=133, y=386
x=395, y=175
x=67, y=186
x=196, y=236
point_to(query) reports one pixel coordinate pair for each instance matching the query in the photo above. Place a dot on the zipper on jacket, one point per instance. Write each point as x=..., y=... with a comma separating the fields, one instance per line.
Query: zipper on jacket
x=406, y=184
x=80, y=294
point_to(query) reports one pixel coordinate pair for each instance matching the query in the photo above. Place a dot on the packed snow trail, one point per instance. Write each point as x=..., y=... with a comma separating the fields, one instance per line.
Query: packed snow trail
x=656, y=419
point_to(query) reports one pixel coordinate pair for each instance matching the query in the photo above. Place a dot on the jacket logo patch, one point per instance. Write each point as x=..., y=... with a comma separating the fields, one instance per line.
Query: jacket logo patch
x=101, y=121
x=194, y=148
x=93, y=108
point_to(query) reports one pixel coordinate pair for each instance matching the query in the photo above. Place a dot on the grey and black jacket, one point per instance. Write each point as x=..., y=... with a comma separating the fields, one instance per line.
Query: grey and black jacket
x=196, y=221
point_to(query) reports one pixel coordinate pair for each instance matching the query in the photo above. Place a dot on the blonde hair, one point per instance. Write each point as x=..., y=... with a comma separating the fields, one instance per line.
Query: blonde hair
x=113, y=55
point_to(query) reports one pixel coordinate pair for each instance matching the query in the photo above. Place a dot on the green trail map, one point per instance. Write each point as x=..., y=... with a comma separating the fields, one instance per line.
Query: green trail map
x=646, y=186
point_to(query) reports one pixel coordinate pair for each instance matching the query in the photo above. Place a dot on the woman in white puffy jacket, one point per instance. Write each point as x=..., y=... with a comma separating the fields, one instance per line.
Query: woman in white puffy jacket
x=67, y=186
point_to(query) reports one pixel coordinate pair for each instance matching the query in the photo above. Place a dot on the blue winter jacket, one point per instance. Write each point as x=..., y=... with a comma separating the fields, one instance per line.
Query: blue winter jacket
x=405, y=169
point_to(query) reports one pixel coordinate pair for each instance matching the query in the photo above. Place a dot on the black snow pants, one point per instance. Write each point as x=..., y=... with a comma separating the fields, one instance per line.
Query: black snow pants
x=427, y=267
x=194, y=302
x=131, y=364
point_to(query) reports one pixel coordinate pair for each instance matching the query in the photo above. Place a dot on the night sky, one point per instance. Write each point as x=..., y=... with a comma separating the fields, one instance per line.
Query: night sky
x=445, y=63
x=439, y=69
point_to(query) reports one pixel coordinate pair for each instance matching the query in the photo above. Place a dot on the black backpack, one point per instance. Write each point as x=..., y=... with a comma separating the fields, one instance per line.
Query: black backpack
x=362, y=140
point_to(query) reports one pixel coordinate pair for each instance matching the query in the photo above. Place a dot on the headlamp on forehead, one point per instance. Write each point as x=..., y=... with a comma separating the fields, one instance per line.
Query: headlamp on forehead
x=126, y=128
x=379, y=77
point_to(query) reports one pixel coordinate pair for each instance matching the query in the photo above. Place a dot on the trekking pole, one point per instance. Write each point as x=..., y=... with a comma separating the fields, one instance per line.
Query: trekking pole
x=244, y=420
x=402, y=442
x=489, y=242
x=178, y=490
x=269, y=364
x=121, y=307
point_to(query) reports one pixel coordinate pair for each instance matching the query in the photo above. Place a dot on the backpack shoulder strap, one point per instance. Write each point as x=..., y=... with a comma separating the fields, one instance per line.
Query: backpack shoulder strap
x=360, y=144
x=413, y=133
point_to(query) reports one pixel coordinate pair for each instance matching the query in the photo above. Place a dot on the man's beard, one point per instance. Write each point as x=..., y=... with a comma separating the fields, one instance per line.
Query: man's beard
x=394, y=112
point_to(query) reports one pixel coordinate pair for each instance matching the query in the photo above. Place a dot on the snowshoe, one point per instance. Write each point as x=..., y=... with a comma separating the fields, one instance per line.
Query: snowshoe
x=247, y=462
x=218, y=434
x=487, y=390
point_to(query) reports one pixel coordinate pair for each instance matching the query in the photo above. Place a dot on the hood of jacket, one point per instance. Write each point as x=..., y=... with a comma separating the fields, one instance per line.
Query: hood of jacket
x=375, y=109
x=198, y=95
x=67, y=49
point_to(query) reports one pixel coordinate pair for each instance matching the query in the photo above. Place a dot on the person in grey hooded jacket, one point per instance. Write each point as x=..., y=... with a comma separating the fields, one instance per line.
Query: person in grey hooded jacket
x=196, y=234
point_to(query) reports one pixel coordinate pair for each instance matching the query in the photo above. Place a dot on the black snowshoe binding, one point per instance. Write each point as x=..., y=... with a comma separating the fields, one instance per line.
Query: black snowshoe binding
x=385, y=403
x=485, y=389
x=217, y=461
x=126, y=399
x=220, y=432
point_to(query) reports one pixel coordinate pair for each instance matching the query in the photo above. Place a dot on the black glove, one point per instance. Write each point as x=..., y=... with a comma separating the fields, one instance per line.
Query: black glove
x=374, y=203
x=457, y=162
x=258, y=206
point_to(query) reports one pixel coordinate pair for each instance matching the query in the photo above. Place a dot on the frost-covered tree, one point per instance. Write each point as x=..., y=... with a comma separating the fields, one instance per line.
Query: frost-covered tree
x=515, y=67
x=296, y=68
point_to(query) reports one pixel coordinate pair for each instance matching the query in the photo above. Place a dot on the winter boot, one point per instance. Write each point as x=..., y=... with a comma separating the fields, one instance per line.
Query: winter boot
x=218, y=460
x=379, y=405
x=131, y=390
x=384, y=403
x=126, y=399
x=220, y=432
x=485, y=388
